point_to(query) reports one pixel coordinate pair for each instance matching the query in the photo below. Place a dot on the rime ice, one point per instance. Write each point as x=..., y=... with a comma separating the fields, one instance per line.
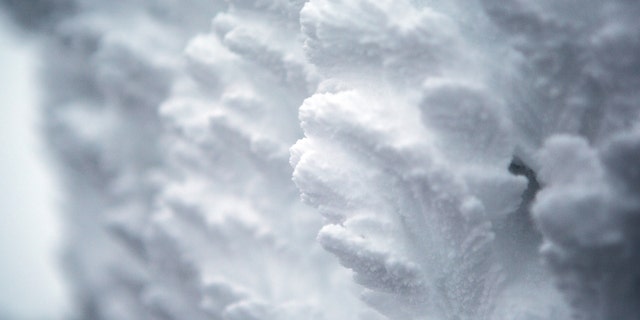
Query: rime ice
x=460, y=160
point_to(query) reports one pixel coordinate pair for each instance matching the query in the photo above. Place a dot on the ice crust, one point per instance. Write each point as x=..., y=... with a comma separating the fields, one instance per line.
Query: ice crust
x=458, y=160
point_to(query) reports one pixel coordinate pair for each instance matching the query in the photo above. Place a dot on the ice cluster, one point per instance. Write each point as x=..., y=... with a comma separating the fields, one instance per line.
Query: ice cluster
x=457, y=159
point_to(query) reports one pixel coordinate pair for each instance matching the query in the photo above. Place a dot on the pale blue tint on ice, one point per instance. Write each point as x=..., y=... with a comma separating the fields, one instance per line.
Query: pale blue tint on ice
x=30, y=282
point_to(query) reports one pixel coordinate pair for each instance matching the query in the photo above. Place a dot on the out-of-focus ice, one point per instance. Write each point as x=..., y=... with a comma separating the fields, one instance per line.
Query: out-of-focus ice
x=31, y=286
x=466, y=160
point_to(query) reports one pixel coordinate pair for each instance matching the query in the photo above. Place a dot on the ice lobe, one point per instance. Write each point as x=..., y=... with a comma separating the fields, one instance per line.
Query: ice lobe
x=338, y=42
x=589, y=216
x=230, y=121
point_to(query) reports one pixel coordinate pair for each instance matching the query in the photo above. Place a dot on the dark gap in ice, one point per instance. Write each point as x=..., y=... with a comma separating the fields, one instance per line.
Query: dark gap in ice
x=518, y=233
x=519, y=168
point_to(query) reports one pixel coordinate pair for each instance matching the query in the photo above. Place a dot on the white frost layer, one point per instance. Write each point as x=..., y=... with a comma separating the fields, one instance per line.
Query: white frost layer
x=173, y=124
x=421, y=109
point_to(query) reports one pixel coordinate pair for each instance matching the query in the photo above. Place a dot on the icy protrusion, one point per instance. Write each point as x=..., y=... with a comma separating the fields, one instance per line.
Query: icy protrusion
x=229, y=123
x=589, y=215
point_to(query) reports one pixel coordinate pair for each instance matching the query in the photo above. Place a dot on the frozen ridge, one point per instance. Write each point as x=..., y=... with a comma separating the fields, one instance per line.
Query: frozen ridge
x=410, y=134
x=458, y=160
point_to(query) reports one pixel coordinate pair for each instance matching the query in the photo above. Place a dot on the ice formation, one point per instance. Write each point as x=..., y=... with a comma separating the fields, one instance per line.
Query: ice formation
x=461, y=159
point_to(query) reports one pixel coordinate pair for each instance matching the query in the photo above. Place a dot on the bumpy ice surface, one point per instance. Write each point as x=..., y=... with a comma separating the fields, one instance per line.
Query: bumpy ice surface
x=457, y=159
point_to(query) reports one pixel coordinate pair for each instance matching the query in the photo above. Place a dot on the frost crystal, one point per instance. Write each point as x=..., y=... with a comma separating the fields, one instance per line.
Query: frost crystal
x=462, y=160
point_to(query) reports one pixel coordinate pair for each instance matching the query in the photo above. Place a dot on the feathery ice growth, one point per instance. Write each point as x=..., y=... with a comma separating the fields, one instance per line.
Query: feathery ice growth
x=345, y=159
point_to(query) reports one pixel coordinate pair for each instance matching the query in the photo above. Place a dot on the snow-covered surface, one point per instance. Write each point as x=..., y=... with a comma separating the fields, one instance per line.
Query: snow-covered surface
x=457, y=159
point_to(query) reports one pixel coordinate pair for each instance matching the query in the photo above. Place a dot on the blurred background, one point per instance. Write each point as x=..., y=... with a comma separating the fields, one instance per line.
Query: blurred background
x=31, y=282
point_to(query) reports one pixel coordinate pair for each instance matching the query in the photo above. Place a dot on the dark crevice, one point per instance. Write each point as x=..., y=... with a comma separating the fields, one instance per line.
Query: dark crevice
x=519, y=168
x=518, y=234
